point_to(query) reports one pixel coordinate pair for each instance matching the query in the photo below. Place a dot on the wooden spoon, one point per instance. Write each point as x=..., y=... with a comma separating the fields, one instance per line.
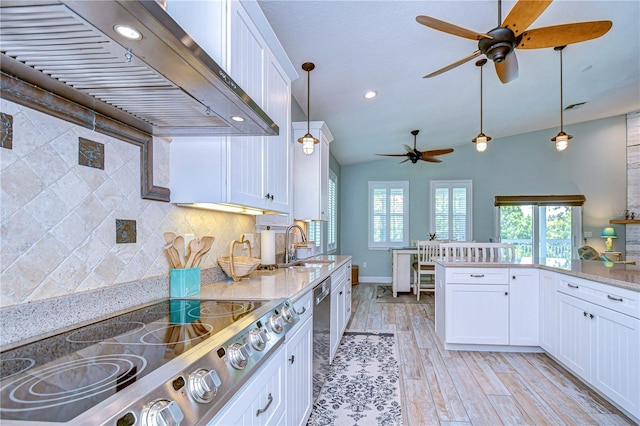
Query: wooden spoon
x=195, y=246
x=178, y=244
x=169, y=237
x=208, y=242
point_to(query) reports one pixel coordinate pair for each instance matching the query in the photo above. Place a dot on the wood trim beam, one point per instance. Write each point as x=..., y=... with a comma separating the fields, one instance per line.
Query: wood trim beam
x=34, y=97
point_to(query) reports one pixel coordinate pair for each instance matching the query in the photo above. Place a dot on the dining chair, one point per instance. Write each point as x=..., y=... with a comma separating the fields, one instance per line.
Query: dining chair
x=425, y=266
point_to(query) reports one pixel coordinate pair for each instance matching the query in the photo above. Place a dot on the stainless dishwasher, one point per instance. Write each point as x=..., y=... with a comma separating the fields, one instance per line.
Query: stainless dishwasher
x=321, y=333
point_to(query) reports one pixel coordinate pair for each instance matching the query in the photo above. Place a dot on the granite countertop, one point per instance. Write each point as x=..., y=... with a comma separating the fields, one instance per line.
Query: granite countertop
x=616, y=274
x=21, y=324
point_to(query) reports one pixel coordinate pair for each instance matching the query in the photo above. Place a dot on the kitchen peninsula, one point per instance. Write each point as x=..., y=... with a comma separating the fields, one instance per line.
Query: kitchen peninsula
x=586, y=317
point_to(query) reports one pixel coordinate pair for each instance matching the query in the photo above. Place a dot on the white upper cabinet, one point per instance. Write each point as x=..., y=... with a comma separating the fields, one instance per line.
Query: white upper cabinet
x=311, y=173
x=205, y=22
x=247, y=171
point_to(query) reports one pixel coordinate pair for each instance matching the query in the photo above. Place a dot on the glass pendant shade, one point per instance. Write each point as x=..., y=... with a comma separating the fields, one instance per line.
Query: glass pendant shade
x=308, y=141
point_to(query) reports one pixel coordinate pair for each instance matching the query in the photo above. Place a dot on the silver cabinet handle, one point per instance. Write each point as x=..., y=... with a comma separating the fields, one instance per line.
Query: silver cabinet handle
x=572, y=286
x=476, y=275
x=304, y=309
x=266, y=407
x=617, y=299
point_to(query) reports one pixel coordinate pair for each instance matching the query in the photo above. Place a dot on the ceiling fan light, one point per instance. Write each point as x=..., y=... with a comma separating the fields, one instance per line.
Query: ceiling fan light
x=562, y=141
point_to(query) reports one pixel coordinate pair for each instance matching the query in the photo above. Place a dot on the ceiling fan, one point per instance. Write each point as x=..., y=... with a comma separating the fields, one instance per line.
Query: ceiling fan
x=414, y=155
x=500, y=43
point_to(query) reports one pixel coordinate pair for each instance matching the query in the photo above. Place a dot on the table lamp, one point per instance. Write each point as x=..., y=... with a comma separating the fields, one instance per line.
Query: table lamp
x=609, y=233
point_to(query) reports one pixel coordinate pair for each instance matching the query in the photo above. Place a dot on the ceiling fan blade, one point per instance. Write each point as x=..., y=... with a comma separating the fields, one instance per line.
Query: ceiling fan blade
x=403, y=161
x=455, y=64
x=507, y=70
x=431, y=159
x=523, y=13
x=407, y=147
x=561, y=35
x=393, y=155
x=434, y=152
x=446, y=27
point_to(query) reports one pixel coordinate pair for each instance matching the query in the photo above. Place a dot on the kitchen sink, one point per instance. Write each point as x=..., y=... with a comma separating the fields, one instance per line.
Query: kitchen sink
x=310, y=263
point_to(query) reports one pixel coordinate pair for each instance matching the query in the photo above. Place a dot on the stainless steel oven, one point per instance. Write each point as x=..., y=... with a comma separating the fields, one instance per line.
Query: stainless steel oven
x=321, y=334
x=177, y=361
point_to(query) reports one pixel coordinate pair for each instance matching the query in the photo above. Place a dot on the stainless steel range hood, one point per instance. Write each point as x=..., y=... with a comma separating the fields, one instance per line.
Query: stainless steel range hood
x=163, y=83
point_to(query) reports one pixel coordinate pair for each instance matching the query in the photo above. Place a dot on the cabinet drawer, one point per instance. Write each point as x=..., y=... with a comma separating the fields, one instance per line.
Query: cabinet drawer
x=615, y=298
x=338, y=276
x=304, y=308
x=477, y=275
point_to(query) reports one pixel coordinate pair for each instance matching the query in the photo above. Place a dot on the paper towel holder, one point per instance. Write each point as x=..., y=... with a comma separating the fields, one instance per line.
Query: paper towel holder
x=263, y=248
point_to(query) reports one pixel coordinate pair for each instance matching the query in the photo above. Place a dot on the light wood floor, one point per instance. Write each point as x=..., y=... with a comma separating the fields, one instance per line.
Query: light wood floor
x=441, y=387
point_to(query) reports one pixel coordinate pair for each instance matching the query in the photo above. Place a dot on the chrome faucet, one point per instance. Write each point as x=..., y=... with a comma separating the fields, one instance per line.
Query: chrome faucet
x=288, y=257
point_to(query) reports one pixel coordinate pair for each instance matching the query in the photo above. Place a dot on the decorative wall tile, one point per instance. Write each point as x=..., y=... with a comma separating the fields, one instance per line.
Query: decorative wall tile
x=125, y=231
x=90, y=153
x=58, y=218
x=6, y=131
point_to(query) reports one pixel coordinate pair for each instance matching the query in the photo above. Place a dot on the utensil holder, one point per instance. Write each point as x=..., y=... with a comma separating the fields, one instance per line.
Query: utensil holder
x=184, y=282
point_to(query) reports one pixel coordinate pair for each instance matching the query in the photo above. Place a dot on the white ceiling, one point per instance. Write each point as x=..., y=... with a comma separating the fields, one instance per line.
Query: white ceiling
x=363, y=45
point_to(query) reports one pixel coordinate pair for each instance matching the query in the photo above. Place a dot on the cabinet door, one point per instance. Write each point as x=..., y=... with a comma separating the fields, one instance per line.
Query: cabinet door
x=574, y=334
x=337, y=316
x=616, y=367
x=261, y=399
x=524, y=307
x=548, y=319
x=299, y=371
x=477, y=314
x=278, y=148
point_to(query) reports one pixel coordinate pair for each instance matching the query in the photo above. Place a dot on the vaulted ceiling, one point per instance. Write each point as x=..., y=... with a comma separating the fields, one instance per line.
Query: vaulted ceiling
x=378, y=45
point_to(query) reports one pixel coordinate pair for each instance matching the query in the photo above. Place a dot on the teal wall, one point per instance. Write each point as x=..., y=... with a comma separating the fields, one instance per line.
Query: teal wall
x=594, y=165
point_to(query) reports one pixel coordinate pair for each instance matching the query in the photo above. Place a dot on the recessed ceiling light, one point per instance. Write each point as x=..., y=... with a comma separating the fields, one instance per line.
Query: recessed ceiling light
x=237, y=118
x=371, y=94
x=128, y=32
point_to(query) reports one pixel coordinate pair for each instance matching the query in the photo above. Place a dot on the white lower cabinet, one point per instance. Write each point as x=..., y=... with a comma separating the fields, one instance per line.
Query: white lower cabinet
x=261, y=399
x=602, y=347
x=299, y=368
x=524, y=307
x=548, y=309
x=477, y=314
x=340, y=306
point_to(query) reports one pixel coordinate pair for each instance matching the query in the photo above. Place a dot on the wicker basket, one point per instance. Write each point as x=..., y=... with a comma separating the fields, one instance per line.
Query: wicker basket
x=238, y=267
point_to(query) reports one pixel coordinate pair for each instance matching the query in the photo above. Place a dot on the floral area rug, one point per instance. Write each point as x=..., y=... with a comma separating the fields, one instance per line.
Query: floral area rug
x=362, y=387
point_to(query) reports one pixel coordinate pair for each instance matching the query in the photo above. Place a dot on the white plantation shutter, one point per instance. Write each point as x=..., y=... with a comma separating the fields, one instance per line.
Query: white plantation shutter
x=388, y=214
x=332, y=230
x=451, y=210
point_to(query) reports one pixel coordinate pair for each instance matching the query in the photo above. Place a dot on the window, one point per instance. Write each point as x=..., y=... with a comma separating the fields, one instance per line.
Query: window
x=332, y=231
x=388, y=214
x=314, y=233
x=451, y=209
x=543, y=228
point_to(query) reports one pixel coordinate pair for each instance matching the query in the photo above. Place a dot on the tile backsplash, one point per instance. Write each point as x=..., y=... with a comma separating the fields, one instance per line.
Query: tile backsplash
x=58, y=234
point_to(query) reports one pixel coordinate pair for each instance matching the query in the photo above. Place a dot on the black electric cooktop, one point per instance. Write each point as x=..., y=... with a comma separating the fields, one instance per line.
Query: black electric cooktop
x=58, y=378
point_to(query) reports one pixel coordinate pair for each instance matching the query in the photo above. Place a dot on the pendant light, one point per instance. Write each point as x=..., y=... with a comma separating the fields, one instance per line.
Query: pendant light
x=308, y=141
x=482, y=139
x=561, y=139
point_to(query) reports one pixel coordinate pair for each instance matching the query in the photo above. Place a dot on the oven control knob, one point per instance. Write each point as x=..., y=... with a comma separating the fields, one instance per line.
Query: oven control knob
x=238, y=355
x=258, y=338
x=276, y=323
x=203, y=385
x=287, y=314
x=162, y=413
